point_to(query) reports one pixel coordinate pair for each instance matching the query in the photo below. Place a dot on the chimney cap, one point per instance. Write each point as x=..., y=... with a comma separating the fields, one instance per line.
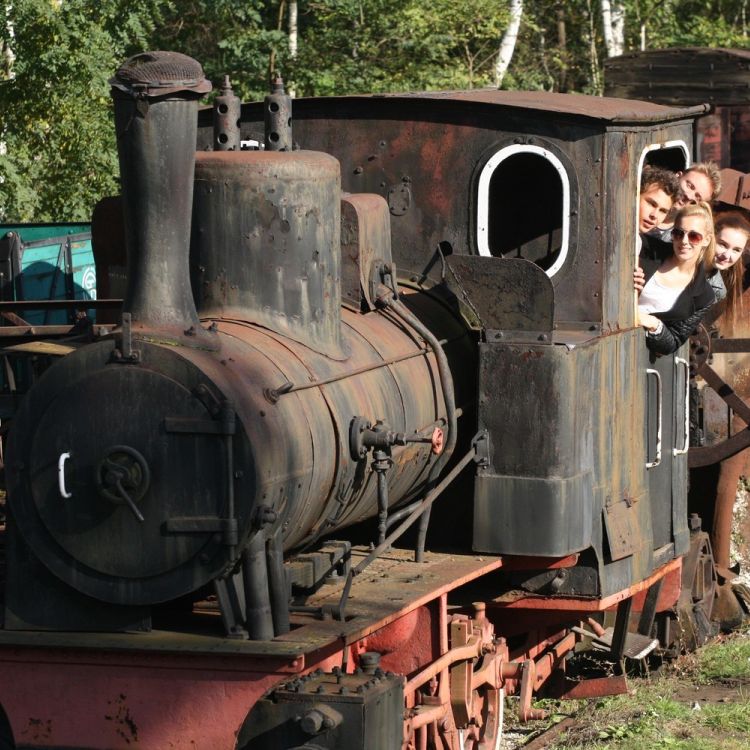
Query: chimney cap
x=155, y=74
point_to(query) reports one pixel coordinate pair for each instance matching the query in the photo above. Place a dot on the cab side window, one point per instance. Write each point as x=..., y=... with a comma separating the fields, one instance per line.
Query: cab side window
x=524, y=206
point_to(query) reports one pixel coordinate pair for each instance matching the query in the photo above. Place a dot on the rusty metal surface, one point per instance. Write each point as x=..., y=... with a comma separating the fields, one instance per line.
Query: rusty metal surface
x=596, y=687
x=726, y=392
x=724, y=444
x=520, y=600
x=26, y=332
x=723, y=496
x=226, y=118
x=265, y=242
x=160, y=73
x=505, y=295
x=687, y=75
x=390, y=588
x=698, y=592
x=621, y=520
x=365, y=243
x=336, y=709
x=290, y=454
x=55, y=699
x=61, y=304
x=731, y=186
x=730, y=345
x=698, y=457
x=158, y=193
x=412, y=144
x=546, y=494
x=108, y=243
x=713, y=136
x=514, y=562
x=609, y=109
x=319, y=488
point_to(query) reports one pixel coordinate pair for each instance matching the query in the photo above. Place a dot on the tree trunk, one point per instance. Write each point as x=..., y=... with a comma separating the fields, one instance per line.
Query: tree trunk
x=292, y=39
x=279, y=27
x=508, y=43
x=618, y=27
x=562, y=45
x=293, y=29
x=7, y=49
x=613, y=23
x=596, y=84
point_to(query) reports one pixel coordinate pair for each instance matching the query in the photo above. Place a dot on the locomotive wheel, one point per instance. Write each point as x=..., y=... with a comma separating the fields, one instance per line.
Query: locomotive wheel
x=476, y=694
x=487, y=732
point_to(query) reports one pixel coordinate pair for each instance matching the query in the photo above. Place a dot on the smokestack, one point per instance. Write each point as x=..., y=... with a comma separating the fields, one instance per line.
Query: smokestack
x=156, y=118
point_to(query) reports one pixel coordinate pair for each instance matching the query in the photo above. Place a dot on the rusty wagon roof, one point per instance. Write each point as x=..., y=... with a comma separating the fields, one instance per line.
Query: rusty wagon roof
x=681, y=75
x=612, y=110
x=686, y=54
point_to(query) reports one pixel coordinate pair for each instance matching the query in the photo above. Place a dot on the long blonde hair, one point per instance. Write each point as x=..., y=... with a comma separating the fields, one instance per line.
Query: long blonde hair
x=707, y=253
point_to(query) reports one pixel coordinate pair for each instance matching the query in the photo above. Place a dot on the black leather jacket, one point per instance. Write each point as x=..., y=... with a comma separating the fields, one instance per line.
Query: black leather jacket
x=689, y=309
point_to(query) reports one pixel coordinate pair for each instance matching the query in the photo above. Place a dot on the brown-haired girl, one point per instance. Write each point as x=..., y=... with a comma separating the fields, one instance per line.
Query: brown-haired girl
x=732, y=232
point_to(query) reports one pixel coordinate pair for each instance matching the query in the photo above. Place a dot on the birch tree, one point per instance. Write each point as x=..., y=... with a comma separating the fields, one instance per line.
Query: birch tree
x=6, y=43
x=293, y=38
x=508, y=43
x=613, y=23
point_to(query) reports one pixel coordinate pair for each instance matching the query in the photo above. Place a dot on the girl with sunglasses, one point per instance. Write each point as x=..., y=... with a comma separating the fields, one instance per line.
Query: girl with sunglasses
x=676, y=294
x=732, y=231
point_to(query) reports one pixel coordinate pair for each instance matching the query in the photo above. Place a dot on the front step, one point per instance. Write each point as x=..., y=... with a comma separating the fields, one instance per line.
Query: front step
x=636, y=646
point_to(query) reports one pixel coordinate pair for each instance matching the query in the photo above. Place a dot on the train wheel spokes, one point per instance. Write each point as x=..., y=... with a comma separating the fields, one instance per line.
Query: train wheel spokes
x=475, y=686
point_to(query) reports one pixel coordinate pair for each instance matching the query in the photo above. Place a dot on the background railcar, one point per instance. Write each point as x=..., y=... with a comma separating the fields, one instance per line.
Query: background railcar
x=692, y=75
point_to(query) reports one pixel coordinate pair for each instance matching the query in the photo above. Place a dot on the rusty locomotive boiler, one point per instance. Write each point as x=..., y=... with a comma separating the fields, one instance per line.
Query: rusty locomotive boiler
x=410, y=318
x=219, y=444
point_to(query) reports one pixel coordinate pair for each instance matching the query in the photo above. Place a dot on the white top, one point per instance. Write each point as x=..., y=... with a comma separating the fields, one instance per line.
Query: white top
x=656, y=297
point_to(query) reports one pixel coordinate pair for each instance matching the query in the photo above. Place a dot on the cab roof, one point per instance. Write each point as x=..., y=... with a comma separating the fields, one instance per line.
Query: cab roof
x=605, y=109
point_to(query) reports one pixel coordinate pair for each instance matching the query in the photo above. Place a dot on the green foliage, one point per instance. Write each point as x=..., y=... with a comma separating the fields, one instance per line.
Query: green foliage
x=57, y=154
x=54, y=112
x=691, y=23
x=729, y=660
x=233, y=37
x=728, y=717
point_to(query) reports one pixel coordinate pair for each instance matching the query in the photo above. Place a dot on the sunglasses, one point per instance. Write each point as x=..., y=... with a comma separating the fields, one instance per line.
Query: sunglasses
x=694, y=238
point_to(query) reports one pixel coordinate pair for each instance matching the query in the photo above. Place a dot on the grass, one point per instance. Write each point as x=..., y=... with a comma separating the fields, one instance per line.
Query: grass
x=701, y=702
x=727, y=660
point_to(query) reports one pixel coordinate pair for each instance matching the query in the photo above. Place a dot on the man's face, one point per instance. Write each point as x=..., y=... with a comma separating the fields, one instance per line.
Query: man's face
x=653, y=207
x=695, y=187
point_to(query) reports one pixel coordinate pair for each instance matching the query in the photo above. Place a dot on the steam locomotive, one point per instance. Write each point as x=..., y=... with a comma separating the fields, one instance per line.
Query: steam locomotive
x=409, y=319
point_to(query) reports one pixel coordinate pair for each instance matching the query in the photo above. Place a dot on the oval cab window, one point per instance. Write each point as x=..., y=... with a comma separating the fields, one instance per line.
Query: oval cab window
x=523, y=208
